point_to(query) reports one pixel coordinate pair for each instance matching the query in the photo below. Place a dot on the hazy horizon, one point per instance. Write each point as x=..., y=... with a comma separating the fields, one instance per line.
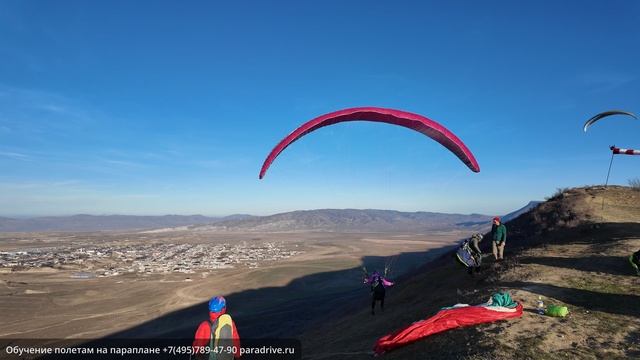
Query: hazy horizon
x=24, y=216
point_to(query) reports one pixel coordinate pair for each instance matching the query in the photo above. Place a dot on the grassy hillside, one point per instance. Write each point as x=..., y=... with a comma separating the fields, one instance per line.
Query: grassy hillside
x=570, y=250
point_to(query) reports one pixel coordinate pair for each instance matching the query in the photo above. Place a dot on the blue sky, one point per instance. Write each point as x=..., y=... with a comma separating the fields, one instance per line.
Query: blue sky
x=170, y=108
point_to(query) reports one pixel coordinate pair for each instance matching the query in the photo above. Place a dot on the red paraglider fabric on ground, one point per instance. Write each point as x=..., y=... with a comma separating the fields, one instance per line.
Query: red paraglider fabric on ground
x=442, y=321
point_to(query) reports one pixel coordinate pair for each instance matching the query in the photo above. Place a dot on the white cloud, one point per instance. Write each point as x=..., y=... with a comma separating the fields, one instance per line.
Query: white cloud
x=124, y=163
x=71, y=184
x=209, y=164
x=15, y=155
x=605, y=81
x=28, y=111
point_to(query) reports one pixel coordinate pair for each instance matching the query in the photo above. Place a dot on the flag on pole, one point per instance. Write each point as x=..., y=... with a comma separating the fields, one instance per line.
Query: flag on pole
x=624, y=151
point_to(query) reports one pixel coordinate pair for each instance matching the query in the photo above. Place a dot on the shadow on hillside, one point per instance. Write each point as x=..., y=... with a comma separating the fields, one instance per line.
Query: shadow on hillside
x=287, y=311
x=612, y=233
x=621, y=304
x=633, y=338
x=602, y=233
x=600, y=238
x=614, y=265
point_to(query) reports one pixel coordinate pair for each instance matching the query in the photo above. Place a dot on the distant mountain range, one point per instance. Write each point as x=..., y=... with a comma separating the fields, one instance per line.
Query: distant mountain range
x=336, y=220
x=352, y=220
x=107, y=222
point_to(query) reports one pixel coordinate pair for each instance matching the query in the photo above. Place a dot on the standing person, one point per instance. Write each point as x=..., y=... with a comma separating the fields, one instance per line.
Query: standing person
x=378, y=289
x=219, y=332
x=499, y=232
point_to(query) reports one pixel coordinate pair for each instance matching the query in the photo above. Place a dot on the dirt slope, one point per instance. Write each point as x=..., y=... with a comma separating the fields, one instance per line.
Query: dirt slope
x=570, y=250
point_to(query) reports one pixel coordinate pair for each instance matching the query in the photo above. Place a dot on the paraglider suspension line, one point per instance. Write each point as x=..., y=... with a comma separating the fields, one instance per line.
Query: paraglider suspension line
x=390, y=261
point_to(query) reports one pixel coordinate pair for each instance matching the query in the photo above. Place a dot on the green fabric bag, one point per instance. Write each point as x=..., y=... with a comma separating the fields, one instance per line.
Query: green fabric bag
x=557, y=311
x=502, y=299
x=634, y=264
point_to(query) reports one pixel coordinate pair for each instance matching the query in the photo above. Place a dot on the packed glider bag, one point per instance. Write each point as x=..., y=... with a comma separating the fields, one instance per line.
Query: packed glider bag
x=465, y=257
x=499, y=307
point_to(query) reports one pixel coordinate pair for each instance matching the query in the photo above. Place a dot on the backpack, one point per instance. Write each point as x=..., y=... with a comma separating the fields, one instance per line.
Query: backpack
x=377, y=286
x=221, y=339
x=466, y=256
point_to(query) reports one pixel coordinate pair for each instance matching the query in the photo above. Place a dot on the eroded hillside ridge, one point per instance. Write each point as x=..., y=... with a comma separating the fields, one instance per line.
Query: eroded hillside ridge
x=583, y=208
x=571, y=250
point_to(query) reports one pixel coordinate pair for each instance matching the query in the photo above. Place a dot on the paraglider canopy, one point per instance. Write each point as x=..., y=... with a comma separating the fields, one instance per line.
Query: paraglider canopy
x=406, y=119
x=606, y=114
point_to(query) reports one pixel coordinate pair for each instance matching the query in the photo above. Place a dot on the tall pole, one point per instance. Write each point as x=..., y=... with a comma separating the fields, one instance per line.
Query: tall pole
x=606, y=183
x=609, y=172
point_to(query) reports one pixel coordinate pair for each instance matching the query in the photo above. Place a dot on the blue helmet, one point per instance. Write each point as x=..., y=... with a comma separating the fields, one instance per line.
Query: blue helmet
x=217, y=304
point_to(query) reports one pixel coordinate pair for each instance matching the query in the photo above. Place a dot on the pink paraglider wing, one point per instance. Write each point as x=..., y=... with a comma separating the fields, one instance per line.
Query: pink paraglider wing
x=409, y=120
